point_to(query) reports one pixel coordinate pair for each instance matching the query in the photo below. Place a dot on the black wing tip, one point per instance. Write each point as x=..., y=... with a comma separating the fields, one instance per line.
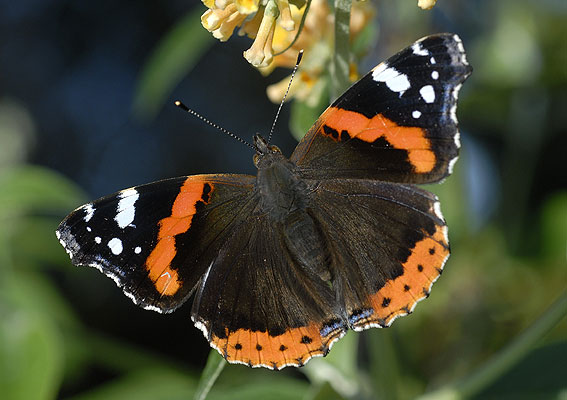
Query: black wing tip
x=454, y=45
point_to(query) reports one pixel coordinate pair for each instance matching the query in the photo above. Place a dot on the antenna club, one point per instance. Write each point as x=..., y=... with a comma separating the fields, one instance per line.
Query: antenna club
x=181, y=105
x=299, y=57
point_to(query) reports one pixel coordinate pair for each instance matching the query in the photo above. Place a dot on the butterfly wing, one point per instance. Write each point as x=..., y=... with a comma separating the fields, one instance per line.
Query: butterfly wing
x=389, y=244
x=157, y=240
x=258, y=307
x=398, y=123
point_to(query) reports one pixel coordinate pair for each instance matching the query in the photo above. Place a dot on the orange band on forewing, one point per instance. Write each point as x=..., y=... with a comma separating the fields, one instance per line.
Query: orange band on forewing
x=294, y=347
x=158, y=264
x=412, y=139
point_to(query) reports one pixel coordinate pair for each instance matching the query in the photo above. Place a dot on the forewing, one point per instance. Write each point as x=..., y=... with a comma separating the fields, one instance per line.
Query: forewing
x=389, y=244
x=157, y=240
x=398, y=123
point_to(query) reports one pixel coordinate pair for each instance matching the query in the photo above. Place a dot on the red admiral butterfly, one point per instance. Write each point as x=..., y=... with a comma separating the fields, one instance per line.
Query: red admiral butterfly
x=336, y=237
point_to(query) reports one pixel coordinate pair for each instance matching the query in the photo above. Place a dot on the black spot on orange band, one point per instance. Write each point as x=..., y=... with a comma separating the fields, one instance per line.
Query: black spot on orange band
x=294, y=347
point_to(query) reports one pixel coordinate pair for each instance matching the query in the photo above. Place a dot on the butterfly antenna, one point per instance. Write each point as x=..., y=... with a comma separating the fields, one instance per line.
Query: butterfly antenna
x=205, y=120
x=299, y=56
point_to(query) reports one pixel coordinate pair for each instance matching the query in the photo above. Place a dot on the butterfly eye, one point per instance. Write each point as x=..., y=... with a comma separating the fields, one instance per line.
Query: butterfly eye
x=256, y=159
x=275, y=149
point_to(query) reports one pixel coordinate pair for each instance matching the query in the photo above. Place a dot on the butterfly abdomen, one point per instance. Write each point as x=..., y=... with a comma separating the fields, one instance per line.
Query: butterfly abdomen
x=305, y=243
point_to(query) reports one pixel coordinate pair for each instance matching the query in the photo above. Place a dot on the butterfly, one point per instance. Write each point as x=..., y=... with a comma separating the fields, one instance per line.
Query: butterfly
x=281, y=265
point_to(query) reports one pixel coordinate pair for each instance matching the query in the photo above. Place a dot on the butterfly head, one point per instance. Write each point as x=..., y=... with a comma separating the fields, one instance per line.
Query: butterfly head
x=265, y=154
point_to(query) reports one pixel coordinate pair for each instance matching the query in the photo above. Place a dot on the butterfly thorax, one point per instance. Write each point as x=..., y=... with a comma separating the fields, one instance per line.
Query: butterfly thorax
x=278, y=183
x=284, y=198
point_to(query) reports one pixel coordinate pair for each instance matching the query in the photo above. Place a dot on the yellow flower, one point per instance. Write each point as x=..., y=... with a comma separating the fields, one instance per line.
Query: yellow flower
x=221, y=22
x=286, y=21
x=256, y=18
x=246, y=6
x=426, y=4
x=261, y=53
x=316, y=39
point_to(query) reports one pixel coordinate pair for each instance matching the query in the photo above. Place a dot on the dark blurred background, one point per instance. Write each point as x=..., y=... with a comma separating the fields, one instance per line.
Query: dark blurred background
x=71, y=74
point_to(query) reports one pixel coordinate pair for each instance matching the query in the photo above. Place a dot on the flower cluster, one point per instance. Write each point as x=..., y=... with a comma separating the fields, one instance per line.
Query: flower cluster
x=316, y=39
x=256, y=18
x=274, y=25
x=426, y=4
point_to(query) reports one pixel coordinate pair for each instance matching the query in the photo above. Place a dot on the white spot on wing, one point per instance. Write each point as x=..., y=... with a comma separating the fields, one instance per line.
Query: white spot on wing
x=199, y=325
x=97, y=240
x=64, y=244
x=89, y=212
x=452, y=164
x=432, y=60
x=115, y=246
x=453, y=110
x=456, y=91
x=150, y=307
x=461, y=49
x=453, y=113
x=437, y=210
x=396, y=81
x=419, y=50
x=67, y=248
x=435, y=75
x=416, y=114
x=138, y=250
x=126, y=210
x=427, y=93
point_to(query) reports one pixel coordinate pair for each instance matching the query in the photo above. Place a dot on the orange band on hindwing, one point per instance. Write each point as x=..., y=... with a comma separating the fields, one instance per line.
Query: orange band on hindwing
x=158, y=264
x=399, y=296
x=294, y=347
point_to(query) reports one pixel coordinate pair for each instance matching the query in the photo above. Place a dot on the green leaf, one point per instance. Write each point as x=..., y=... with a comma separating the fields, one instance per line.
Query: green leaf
x=385, y=367
x=554, y=226
x=504, y=360
x=32, y=189
x=279, y=387
x=365, y=39
x=239, y=382
x=339, y=368
x=526, y=381
x=31, y=362
x=146, y=384
x=175, y=56
x=213, y=368
x=303, y=116
x=33, y=244
x=325, y=392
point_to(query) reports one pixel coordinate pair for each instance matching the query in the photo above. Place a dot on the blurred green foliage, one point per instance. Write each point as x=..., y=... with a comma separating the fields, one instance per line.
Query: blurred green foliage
x=175, y=56
x=506, y=270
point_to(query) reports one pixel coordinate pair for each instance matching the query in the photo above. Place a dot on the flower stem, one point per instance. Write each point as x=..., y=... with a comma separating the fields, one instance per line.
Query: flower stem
x=215, y=365
x=340, y=71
